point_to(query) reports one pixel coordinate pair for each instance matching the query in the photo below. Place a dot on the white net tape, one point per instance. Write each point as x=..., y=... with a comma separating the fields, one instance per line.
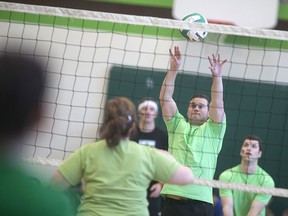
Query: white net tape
x=243, y=187
x=42, y=161
x=280, y=192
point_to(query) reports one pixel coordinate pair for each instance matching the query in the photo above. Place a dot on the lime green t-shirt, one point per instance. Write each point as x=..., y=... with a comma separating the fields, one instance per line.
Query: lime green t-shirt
x=242, y=200
x=196, y=147
x=116, y=179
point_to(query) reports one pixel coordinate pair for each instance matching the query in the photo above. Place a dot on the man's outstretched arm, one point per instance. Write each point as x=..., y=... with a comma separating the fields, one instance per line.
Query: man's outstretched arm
x=168, y=105
x=216, y=111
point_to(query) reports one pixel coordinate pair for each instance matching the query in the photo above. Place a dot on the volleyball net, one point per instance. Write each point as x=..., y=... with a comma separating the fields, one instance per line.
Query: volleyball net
x=93, y=56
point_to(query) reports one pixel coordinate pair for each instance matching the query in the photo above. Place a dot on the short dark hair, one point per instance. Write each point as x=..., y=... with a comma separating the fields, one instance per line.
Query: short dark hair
x=254, y=137
x=200, y=96
x=21, y=89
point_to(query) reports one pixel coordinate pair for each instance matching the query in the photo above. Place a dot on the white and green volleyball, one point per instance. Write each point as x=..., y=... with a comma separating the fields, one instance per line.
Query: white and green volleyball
x=189, y=33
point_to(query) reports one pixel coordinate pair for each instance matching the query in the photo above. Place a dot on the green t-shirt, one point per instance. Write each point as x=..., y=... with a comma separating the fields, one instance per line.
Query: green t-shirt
x=22, y=195
x=242, y=200
x=116, y=179
x=196, y=147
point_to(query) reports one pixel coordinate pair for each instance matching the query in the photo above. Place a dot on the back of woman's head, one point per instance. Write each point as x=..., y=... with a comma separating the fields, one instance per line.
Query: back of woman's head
x=119, y=120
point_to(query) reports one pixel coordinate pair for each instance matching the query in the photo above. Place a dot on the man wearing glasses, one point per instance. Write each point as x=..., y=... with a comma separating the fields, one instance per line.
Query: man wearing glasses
x=195, y=143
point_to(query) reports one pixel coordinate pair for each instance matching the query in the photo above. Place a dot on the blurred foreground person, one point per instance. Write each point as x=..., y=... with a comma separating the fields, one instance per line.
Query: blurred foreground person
x=21, y=87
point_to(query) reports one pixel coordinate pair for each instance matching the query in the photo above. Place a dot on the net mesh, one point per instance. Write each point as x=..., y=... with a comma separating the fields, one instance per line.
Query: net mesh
x=93, y=56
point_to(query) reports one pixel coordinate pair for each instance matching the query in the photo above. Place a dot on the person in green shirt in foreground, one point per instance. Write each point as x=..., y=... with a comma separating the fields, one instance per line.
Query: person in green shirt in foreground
x=117, y=171
x=239, y=203
x=21, y=89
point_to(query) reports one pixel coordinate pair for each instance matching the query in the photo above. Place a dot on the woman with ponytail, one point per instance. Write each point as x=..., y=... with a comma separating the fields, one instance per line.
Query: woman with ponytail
x=117, y=171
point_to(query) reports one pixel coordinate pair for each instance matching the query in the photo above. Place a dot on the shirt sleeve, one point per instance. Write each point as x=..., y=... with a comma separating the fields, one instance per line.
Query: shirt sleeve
x=170, y=124
x=265, y=198
x=225, y=176
x=218, y=128
x=72, y=167
x=165, y=166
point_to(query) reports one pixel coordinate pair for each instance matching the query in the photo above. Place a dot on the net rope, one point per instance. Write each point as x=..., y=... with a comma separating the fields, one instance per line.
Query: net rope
x=281, y=192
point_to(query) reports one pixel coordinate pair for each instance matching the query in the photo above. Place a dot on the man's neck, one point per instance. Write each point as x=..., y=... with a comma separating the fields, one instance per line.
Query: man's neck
x=146, y=127
x=195, y=122
x=248, y=167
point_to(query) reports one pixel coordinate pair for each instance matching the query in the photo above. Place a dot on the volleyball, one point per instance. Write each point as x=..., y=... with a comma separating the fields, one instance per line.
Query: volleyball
x=189, y=33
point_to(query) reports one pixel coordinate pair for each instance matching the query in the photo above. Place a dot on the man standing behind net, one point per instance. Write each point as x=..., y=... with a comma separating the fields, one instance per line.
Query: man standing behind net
x=240, y=203
x=152, y=136
x=195, y=143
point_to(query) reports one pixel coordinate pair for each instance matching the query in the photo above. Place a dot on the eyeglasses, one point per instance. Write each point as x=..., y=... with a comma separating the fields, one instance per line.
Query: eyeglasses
x=200, y=106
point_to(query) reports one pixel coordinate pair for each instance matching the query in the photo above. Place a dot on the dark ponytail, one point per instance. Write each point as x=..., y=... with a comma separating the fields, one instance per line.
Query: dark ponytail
x=119, y=120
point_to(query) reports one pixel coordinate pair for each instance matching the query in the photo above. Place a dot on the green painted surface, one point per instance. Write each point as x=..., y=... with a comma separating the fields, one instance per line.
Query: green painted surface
x=149, y=3
x=283, y=11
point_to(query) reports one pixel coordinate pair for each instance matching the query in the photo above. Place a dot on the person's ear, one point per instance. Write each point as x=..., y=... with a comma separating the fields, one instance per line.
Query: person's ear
x=260, y=154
